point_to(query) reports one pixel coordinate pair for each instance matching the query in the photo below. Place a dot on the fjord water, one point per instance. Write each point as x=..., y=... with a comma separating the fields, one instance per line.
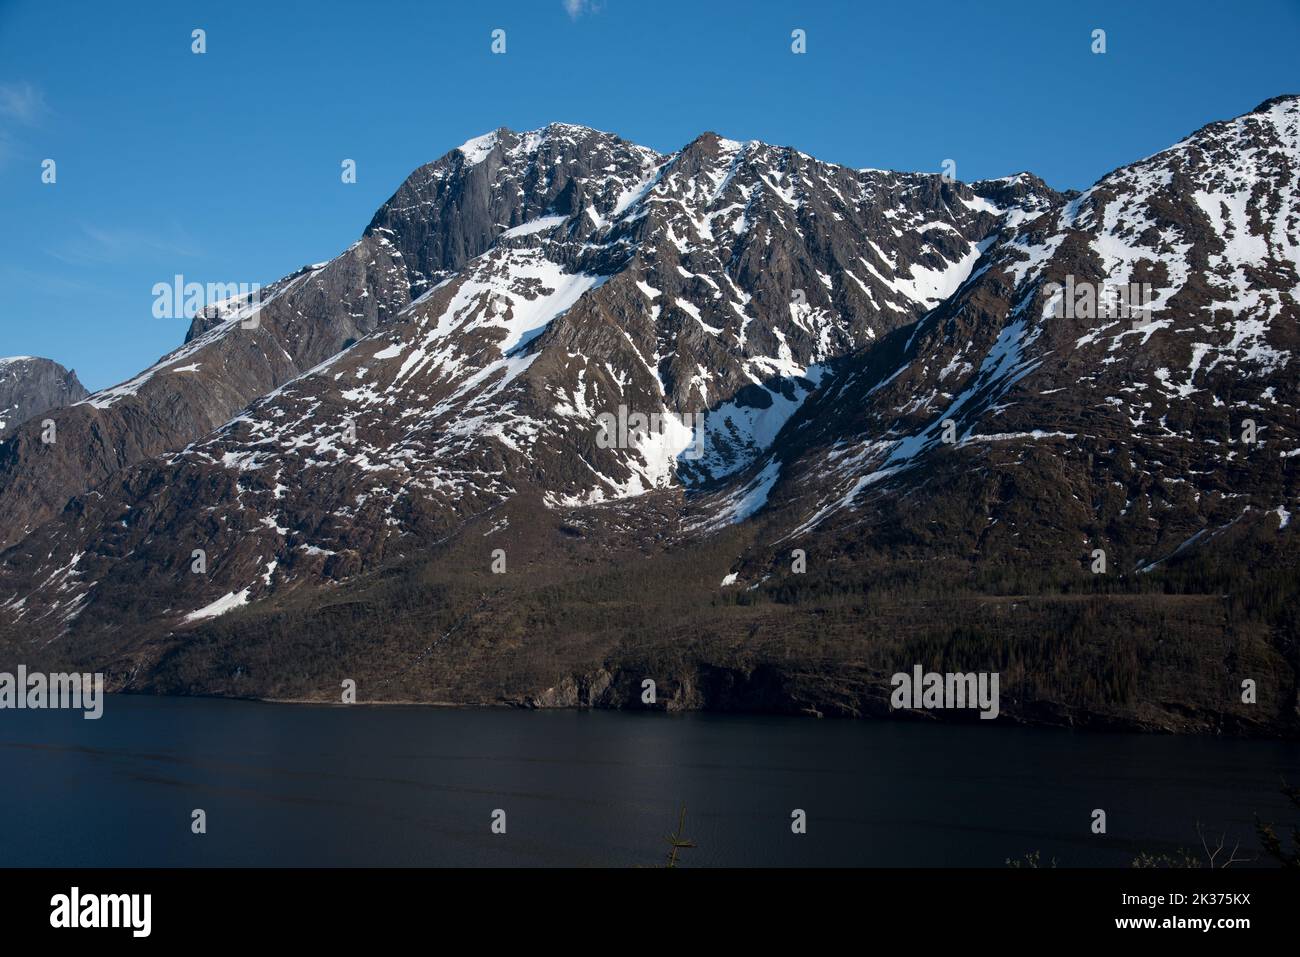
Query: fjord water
x=372, y=785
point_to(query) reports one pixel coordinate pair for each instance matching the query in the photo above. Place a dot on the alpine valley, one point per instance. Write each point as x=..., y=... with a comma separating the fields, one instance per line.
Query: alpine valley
x=390, y=467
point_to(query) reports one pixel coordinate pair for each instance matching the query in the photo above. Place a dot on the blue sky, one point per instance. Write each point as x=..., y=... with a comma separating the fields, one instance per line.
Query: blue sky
x=225, y=167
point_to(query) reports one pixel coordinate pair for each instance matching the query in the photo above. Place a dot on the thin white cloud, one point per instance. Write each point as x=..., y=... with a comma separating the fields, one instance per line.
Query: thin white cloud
x=99, y=246
x=21, y=102
x=576, y=8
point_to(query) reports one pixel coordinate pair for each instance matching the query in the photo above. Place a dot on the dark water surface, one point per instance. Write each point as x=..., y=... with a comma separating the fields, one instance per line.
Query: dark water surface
x=318, y=785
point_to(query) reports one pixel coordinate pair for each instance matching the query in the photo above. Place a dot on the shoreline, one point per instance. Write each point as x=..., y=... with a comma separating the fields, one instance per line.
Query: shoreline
x=1086, y=723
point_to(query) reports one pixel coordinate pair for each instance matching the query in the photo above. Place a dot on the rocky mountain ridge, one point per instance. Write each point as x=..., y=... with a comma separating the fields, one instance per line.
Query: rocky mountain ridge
x=878, y=370
x=30, y=385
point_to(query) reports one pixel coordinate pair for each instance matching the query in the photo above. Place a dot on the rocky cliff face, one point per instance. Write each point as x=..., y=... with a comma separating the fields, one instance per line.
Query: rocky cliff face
x=246, y=350
x=30, y=386
x=601, y=278
x=897, y=376
x=1149, y=432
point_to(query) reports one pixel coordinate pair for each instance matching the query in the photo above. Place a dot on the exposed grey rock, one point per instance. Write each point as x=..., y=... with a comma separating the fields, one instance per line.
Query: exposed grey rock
x=30, y=386
x=441, y=382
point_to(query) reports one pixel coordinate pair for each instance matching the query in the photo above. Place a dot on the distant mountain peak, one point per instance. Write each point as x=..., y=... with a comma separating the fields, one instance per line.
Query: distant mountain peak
x=30, y=385
x=868, y=366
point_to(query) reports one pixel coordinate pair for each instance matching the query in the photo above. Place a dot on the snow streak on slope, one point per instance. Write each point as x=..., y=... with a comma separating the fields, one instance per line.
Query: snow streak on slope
x=547, y=278
x=1212, y=225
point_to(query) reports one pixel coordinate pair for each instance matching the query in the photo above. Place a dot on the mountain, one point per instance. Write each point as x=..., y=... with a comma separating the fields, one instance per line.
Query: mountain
x=256, y=346
x=30, y=386
x=879, y=437
x=1154, y=407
